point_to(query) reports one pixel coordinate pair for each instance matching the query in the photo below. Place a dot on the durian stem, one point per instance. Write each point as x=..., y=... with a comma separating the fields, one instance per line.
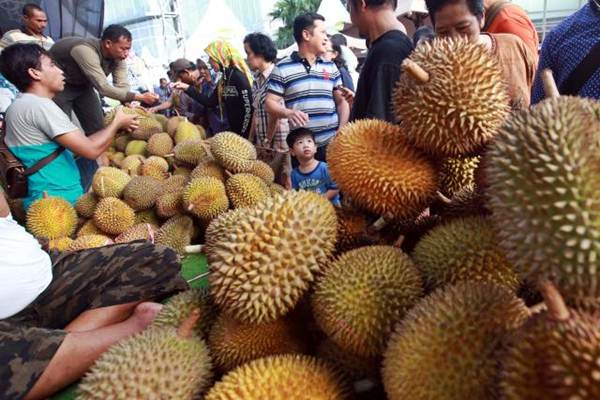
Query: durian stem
x=554, y=301
x=550, y=87
x=187, y=326
x=443, y=198
x=415, y=71
x=229, y=174
x=195, y=249
x=169, y=155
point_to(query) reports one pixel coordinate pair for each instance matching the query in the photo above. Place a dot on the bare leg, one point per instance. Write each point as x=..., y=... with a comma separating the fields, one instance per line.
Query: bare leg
x=79, y=350
x=101, y=317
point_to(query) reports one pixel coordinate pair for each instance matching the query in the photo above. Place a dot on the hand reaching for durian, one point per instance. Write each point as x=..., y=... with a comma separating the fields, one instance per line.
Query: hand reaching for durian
x=128, y=122
x=181, y=85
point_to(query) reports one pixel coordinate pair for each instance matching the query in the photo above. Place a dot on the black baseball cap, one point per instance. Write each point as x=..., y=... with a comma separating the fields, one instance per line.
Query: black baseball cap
x=181, y=64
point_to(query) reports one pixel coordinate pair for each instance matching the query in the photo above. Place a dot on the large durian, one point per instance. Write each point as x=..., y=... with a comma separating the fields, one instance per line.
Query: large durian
x=113, y=216
x=160, y=144
x=457, y=174
x=263, y=265
x=205, y=197
x=159, y=363
x=372, y=163
x=192, y=152
x=148, y=126
x=220, y=227
x=209, y=168
x=246, y=190
x=178, y=307
x=51, y=218
x=86, y=205
x=187, y=131
x=447, y=346
x=543, y=187
x=282, y=377
x=233, y=152
x=89, y=242
x=176, y=233
x=458, y=104
x=363, y=294
x=109, y=182
x=141, y=192
x=140, y=231
x=463, y=249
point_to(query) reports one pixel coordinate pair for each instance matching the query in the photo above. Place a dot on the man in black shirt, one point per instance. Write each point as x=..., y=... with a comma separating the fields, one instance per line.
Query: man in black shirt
x=376, y=21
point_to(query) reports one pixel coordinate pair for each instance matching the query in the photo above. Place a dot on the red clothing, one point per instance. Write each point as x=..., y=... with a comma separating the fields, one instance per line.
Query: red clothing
x=513, y=19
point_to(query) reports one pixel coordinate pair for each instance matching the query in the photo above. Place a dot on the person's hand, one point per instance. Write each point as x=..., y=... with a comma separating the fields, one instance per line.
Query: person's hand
x=128, y=122
x=152, y=110
x=347, y=94
x=181, y=85
x=297, y=118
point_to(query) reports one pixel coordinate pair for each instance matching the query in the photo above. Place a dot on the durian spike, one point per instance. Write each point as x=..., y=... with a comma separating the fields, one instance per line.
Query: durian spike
x=194, y=249
x=415, y=71
x=44, y=195
x=187, y=326
x=443, y=198
x=550, y=88
x=554, y=301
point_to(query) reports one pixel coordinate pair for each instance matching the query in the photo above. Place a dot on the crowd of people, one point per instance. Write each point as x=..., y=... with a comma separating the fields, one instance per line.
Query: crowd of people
x=56, y=316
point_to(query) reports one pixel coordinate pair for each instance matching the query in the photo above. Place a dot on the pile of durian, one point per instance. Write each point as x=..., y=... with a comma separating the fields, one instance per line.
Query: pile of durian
x=463, y=264
x=161, y=186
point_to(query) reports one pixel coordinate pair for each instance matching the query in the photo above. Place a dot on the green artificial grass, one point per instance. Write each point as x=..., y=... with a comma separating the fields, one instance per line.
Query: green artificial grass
x=192, y=266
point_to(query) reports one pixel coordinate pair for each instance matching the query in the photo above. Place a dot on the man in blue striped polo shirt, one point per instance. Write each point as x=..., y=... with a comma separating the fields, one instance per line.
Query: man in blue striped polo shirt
x=307, y=84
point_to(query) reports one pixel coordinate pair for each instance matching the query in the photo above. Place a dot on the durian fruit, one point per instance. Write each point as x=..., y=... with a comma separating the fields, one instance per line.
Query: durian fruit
x=156, y=167
x=136, y=147
x=447, y=345
x=174, y=183
x=172, y=124
x=178, y=307
x=192, y=152
x=115, y=158
x=86, y=205
x=468, y=202
x=372, y=163
x=60, y=244
x=457, y=173
x=209, y=168
x=89, y=228
x=141, y=192
x=461, y=102
x=543, y=184
x=109, y=182
x=148, y=127
x=90, y=242
x=233, y=343
x=265, y=263
x=352, y=230
x=132, y=165
x=351, y=366
x=51, y=218
x=282, y=377
x=205, y=197
x=363, y=294
x=276, y=189
x=147, y=217
x=140, y=231
x=162, y=119
x=169, y=204
x=233, y=152
x=218, y=229
x=187, y=131
x=113, y=216
x=463, y=249
x=183, y=171
x=176, y=233
x=165, y=363
x=246, y=190
x=262, y=170
x=160, y=144
x=554, y=355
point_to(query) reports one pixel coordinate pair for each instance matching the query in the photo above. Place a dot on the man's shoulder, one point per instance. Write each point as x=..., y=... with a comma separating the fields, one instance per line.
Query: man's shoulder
x=506, y=40
x=393, y=46
x=26, y=102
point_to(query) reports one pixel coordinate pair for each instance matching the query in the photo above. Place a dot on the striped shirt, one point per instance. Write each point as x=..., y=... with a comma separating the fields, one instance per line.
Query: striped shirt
x=261, y=120
x=309, y=88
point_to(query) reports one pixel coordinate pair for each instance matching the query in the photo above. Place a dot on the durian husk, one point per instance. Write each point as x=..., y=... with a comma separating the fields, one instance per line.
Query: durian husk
x=176, y=233
x=205, y=197
x=89, y=242
x=51, y=218
x=148, y=126
x=141, y=192
x=209, y=168
x=86, y=205
x=160, y=144
x=113, y=216
x=109, y=182
x=60, y=244
x=235, y=153
x=89, y=228
x=246, y=190
x=457, y=174
x=138, y=232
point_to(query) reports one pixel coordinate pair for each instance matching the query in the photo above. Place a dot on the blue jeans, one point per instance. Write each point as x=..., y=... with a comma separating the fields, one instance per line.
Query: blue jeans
x=87, y=169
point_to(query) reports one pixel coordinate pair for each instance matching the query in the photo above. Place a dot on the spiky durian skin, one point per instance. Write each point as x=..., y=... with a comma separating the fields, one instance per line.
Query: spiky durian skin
x=232, y=151
x=282, y=377
x=86, y=205
x=457, y=174
x=363, y=294
x=264, y=264
x=148, y=127
x=89, y=242
x=160, y=144
x=553, y=360
x=169, y=204
x=544, y=183
x=51, y=218
x=233, y=343
x=246, y=190
x=351, y=366
x=113, y=216
x=172, y=124
x=176, y=233
x=192, y=152
x=463, y=249
x=262, y=170
x=179, y=307
x=207, y=196
x=462, y=105
x=109, y=182
x=186, y=131
x=155, y=364
x=137, y=232
x=60, y=244
x=220, y=227
x=174, y=183
x=141, y=192
x=209, y=168
x=89, y=228
x=136, y=148
x=372, y=162
x=352, y=230
x=446, y=347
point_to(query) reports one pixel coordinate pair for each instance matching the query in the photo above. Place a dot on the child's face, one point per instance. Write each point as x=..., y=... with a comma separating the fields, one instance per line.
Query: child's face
x=304, y=148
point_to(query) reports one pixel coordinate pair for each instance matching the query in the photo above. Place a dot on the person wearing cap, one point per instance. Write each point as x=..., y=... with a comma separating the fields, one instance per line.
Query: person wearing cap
x=86, y=63
x=389, y=46
x=234, y=91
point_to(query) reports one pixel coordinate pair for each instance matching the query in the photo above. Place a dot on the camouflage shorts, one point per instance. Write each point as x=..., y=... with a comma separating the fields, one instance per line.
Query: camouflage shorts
x=83, y=280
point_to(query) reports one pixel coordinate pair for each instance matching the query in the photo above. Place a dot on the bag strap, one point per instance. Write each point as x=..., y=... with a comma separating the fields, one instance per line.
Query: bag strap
x=582, y=73
x=492, y=13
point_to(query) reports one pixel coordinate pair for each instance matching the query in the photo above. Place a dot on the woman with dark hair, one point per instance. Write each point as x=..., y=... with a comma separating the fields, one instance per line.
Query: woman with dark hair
x=267, y=133
x=334, y=53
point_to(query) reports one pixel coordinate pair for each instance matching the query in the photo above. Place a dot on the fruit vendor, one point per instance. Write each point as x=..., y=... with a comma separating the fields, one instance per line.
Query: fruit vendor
x=58, y=315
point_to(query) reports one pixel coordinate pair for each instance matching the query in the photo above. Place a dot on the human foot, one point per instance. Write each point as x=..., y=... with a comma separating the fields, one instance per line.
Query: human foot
x=144, y=314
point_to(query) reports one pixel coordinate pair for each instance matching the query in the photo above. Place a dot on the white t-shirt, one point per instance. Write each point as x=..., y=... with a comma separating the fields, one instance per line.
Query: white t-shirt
x=25, y=269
